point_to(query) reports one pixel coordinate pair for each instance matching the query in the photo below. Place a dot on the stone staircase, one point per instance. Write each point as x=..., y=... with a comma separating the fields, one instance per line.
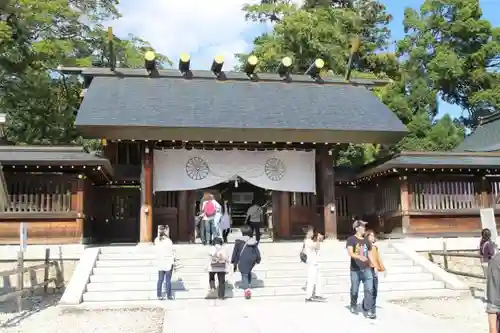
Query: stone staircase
x=127, y=273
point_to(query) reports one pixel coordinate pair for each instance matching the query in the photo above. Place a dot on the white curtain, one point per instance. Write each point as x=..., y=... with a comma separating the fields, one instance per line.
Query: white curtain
x=181, y=169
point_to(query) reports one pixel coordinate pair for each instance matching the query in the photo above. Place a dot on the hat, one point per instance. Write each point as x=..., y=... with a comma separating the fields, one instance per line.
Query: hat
x=359, y=223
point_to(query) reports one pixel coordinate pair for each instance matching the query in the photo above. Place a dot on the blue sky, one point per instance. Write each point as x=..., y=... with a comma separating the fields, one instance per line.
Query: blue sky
x=208, y=28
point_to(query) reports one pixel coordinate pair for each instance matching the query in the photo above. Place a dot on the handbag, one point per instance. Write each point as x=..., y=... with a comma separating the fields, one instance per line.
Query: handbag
x=217, y=262
x=302, y=255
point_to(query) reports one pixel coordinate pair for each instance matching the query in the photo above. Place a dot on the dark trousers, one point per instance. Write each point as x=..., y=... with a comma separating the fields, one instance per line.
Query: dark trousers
x=375, y=288
x=225, y=233
x=255, y=226
x=246, y=280
x=164, y=276
x=366, y=277
x=221, y=277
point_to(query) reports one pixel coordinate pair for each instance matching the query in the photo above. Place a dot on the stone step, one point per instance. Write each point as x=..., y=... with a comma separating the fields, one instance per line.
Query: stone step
x=285, y=248
x=181, y=285
x=129, y=295
x=264, y=265
x=195, y=259
x=330, y=279
x=294, y=272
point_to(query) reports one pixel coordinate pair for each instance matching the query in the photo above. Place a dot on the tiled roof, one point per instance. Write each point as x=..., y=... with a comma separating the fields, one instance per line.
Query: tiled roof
x=485, y=138
x=203, y=102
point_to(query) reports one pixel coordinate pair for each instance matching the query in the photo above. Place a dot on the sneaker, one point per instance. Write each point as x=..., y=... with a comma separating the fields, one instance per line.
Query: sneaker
x=312, y=299
x=170, y=298
x=247, y=293
x=161, y=298
x=319, y=298
x=353, y=309
x=371, y=315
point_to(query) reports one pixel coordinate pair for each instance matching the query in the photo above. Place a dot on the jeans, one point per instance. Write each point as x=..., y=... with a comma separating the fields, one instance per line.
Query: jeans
x=221, y=288
x=313, y=287
x=366, y=277
x=167, y=277
x=207, y=231
x=246, y=280
x=255, y=226
x=375, y=288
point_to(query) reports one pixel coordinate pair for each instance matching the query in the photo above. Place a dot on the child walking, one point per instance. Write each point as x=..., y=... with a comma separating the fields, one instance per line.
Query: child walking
x=376, y=265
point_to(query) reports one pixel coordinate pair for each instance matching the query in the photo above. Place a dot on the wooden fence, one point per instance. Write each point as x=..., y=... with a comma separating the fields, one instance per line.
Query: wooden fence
x=444, y=195
x=19, y=271
x=39, y=193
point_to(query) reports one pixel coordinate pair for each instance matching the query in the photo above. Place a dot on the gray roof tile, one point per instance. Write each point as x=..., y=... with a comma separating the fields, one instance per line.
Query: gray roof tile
x=485, y=138
x=203, y=103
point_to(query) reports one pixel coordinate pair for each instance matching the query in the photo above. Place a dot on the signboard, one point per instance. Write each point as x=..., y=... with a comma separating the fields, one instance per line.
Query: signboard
x=488, y=222
x=23, y=235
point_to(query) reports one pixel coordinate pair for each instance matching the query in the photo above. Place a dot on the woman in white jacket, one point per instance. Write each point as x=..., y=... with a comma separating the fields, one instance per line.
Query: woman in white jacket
x=165, y=258
x=312, y=243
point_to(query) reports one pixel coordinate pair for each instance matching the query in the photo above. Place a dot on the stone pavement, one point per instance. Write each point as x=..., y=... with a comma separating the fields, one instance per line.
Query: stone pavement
x=263, y=316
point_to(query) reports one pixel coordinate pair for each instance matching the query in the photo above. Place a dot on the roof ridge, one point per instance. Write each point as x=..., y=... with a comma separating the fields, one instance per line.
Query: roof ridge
x=494, y=116
x=224, y=76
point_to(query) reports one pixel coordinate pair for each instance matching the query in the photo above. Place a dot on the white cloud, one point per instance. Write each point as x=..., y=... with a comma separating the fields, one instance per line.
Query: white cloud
x=202, y=28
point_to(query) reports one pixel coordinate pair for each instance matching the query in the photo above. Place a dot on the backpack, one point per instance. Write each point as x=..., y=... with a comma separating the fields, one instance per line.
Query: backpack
x=209, y=208
x=218, y=261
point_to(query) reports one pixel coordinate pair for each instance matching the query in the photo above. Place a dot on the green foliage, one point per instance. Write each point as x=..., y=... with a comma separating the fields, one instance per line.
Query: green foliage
x=38, y=36
x=458, y=51
x=324, y=29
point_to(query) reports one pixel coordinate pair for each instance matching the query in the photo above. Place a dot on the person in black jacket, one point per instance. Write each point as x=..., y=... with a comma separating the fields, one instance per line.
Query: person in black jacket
x=245, y=256
x=493, y=293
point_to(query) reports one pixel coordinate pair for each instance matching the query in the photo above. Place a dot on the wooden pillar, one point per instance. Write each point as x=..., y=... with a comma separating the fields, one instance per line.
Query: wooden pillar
x=183, y=216
x=285, y=228
x=405, y=205
x=77, y=205
x=146, y=220
x=326, y=179
x=485, y=192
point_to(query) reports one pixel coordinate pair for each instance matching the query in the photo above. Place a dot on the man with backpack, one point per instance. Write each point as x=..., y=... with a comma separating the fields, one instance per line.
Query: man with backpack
x=211, y=213
x=245, y=256
x=254, y=219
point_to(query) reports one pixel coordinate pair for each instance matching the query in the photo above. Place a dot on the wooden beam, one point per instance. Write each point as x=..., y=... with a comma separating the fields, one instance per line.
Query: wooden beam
x=146, y=220
x=326, y=179
x=285, y=228
x=405, y=205
x=183, y=216
x=79, y=185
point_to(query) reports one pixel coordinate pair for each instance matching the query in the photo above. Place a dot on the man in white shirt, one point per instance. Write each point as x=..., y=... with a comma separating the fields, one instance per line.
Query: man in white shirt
x=254, y=220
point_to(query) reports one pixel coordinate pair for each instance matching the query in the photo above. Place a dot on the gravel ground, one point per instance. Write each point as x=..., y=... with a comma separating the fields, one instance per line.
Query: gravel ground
x=43, y=316
x=467, y=312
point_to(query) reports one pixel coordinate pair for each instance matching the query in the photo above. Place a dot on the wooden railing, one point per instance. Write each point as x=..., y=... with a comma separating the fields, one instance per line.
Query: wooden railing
x=20, y=270
x=38, y=193
x=443, y=195
x=495, y=193
x=447, y=254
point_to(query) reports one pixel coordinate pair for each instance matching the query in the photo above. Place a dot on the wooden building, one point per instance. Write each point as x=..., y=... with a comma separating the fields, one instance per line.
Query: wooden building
x=51, y=189
x=141, y=115
x=69, y=196
x=426, y=194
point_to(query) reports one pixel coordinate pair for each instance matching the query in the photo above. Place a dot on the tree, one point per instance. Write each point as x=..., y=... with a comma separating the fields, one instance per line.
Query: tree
x=38, y=36
x=457, y=51
x=324, y=29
